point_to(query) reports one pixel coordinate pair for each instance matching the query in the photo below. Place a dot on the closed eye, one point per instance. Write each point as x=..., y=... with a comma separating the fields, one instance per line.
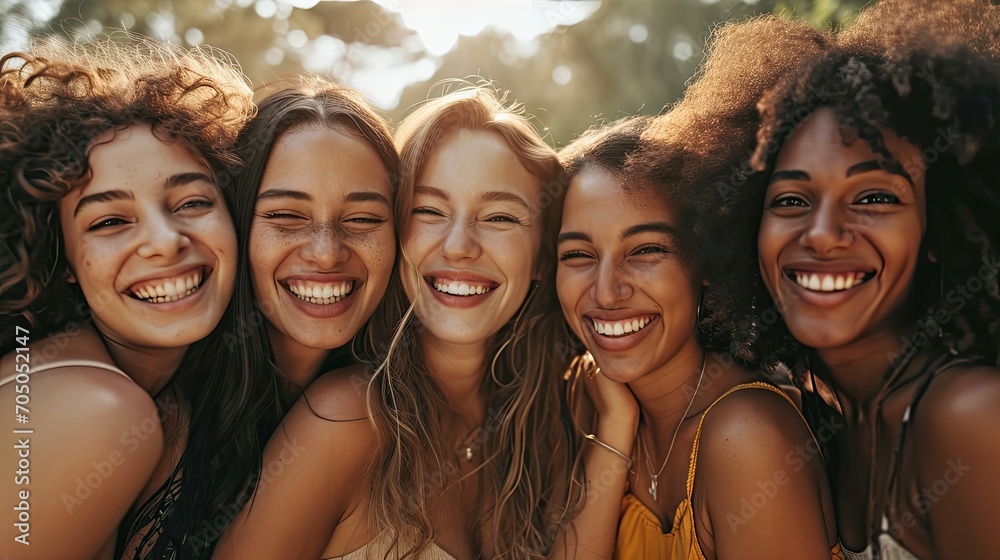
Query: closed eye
x=569, y=255
x=427, y=211
x=279, y=216
x=650, y=250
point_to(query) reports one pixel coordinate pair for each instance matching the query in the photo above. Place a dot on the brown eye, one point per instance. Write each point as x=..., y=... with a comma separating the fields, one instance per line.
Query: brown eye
x=788, y=202
x=879, y=198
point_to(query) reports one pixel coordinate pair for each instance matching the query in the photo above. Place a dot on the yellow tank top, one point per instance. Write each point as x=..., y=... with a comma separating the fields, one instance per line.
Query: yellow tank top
x=639, y=531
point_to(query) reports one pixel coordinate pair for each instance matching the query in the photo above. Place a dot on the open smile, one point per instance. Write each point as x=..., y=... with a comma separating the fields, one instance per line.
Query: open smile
x=319, y=293
x=168, y=290
x=622, y=327
x=828, y=281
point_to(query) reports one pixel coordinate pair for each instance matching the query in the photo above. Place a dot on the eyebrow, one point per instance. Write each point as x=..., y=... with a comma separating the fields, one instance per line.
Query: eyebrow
x=792, y=175
x=864, y=167
x=501, y=196
x=173, y=181
x=366, y=196
x=573, y=236
x=649, y=227
x=489, y=196
x=890, y=166
x=284, y=193
x=97, y=198
x=431, y=191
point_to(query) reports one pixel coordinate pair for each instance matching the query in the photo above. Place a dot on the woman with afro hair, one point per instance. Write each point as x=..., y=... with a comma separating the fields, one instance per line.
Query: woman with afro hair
x=878, y=269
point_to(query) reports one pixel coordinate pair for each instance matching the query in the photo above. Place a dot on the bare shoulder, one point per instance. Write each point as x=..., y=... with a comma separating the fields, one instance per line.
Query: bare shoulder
x=96, y=441
x=751, y=428
x=960, y=412
x=339, y=394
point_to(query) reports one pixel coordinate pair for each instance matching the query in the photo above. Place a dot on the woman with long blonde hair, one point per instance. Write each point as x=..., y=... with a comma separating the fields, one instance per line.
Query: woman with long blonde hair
x=429, y=450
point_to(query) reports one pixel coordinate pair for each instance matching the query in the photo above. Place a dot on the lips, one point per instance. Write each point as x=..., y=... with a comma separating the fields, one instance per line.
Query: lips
x=169, y=289
x=840, y=281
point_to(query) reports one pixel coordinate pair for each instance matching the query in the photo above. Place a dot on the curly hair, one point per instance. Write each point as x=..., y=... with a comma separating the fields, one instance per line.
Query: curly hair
x=930, y=72
x=526, y=361
x=55, y=100
x=696, y=153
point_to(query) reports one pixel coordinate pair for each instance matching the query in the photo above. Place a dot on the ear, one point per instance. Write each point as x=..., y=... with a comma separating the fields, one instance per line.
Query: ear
x=932, y=257
x=70, y=277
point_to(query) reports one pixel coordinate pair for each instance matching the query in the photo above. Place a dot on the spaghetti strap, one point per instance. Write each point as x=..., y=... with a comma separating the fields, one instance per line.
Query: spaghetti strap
x=697, y=436
x=68, y=363
x=938, y=366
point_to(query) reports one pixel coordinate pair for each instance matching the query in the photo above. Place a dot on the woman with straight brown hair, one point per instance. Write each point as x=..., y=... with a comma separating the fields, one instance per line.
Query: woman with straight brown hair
x=430, y=449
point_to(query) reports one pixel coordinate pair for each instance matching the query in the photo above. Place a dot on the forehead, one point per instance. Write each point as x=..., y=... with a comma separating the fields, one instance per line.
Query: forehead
x=473, y=161
x=133, y=158
x=318, y=157
x=818, y=144
x=598, y=196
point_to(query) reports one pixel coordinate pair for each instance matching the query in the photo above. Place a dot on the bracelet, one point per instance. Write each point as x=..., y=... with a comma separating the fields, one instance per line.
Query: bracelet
x=593, y=438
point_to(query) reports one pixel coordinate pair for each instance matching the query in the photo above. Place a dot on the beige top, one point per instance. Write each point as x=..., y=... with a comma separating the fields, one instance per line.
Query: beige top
x=379, y=548
x=67, y=363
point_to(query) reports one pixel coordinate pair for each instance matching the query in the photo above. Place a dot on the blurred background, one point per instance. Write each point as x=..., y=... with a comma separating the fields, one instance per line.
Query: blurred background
x=573, y=63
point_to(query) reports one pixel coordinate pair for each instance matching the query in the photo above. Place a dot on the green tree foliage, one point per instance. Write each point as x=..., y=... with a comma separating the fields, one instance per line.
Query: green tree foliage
x=630, y=57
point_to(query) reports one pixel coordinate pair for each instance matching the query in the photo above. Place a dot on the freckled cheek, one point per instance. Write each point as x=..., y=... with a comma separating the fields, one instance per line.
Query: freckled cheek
x=267, y=248
x=376, y=250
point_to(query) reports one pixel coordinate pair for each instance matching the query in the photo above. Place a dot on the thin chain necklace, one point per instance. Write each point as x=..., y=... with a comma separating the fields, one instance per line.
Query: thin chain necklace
x=653, y=484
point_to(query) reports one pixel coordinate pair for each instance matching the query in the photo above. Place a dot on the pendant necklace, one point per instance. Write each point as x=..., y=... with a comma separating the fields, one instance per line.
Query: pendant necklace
x=653, y=484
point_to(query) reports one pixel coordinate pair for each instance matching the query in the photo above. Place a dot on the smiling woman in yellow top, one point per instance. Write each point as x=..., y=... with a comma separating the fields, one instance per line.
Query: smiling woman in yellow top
x=690, y=453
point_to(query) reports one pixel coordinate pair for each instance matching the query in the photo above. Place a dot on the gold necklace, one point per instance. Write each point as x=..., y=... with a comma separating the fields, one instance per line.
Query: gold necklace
x=653, y=484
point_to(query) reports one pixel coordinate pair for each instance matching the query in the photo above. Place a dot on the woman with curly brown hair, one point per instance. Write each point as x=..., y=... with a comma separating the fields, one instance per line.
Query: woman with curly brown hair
x=644, y=280
x=119, y=255
x=878, y=246
x=429, y=450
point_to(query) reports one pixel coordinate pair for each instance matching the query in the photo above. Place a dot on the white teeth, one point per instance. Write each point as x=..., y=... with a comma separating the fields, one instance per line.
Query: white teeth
x=620, y=328
x=829, y=282
x=168, y=290
x=320, y=294
x=459, y=288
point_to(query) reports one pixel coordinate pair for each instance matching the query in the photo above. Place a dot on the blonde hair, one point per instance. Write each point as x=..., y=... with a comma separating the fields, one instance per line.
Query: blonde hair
x=524, y=403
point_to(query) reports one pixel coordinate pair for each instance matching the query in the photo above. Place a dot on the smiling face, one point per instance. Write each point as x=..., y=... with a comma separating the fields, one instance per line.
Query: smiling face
x=840, y=236
x=471, y=245
x=322, y=240
x=150, y=242
x=624, y=290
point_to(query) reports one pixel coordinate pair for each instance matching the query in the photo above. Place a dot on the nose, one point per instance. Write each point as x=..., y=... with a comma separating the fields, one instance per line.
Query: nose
x=161, y=236
x=325, y=248
x=610, y=286
x=827, y=230
x=460, y=242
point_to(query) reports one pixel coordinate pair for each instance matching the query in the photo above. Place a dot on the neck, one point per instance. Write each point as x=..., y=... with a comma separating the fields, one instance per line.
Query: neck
x=299, y=364
x=458, y=369
x=665, y=393
x=858, y=370
x=150, y=368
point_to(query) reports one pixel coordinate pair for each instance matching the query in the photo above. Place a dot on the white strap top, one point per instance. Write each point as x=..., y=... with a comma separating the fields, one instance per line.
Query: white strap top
x=67, y=363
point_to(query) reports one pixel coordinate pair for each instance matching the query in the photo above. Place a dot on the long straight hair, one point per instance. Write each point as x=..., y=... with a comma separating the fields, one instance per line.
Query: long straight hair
x=524, y=437
x=240, y=348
